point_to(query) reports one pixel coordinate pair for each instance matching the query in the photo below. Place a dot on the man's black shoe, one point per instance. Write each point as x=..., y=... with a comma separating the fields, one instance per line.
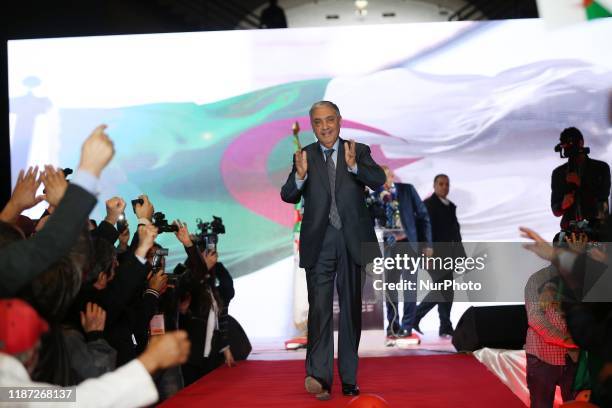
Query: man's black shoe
x=350, y=390
x=391, y=334
x=316, y=387
x=447, y=333
x=312, y=385
x=417, y=328
x=405, y=333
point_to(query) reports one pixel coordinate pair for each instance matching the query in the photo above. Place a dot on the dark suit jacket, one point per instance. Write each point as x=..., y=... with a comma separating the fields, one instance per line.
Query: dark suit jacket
x=444, y=227
x=413, y=213
x=22, y=261
x=594, y=189
x=356, y=224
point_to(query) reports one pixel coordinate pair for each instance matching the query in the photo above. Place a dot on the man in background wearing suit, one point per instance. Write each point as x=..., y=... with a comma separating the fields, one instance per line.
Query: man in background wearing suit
x=417, y=232
x=446, y=236
x=331, y=175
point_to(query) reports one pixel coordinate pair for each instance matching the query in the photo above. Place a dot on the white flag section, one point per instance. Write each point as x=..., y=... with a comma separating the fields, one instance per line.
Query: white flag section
x=492, y=131
x=558, y=13
x=492, y=135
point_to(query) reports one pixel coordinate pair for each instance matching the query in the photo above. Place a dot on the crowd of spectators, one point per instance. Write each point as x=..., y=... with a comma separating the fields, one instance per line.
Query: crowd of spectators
x=83, y=305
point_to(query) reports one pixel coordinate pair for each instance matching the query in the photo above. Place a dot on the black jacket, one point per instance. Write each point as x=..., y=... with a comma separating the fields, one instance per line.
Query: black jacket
x=444, y=228
x=128, y=311
x=594, y=189
x=356, y=223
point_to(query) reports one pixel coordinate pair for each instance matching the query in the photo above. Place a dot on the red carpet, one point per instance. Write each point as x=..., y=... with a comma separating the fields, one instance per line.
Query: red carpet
x=447, y=381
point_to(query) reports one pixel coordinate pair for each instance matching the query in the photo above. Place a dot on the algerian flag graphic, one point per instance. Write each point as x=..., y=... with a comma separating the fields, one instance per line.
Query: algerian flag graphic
x=598, y=9
x=562, y=12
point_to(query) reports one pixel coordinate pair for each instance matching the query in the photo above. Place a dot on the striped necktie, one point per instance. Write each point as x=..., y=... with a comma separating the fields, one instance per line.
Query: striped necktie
x=334, y=217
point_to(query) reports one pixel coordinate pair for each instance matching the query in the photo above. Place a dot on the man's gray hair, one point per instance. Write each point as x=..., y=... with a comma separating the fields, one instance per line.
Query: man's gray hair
x=324, y=103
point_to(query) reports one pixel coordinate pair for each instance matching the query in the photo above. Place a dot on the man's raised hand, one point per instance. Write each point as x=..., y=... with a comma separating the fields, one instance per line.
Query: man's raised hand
x=146, y=238
x=93, y=318
x=210, y=258
x=350, y=154
x=159, y=281
x=55, y=185
x=24, y=195
x=96, y=152
x=144, y=210
x=539, y=246
x=114, y=208
x=301, y=164
x=183, y=233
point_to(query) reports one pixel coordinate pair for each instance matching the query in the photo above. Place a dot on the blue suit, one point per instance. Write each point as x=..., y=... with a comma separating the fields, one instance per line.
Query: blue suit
x=414, y=215
x=417, y=228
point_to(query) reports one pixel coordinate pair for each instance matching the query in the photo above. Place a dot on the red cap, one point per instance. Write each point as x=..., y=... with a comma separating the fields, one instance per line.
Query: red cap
x=20, y=326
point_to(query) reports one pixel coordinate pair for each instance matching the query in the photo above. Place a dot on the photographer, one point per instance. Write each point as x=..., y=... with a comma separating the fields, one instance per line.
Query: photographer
x=123, y=299
x=203, y=310
x=580, y=187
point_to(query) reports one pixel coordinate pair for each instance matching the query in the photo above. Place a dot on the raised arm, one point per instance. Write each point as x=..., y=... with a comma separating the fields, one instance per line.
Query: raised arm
x=291, y=192
x=368, y=172
x=63, y=227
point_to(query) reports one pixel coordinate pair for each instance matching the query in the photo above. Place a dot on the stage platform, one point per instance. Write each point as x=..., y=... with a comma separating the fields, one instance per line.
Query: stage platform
x=424, y=381
x=429, y=375
x=372, y=345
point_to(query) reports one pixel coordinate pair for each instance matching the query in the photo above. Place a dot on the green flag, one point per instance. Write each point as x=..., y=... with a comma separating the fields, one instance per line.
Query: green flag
x=559, y=13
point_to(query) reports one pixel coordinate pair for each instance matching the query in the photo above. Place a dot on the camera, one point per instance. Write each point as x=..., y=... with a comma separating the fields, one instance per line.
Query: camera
x=209, y=233
x=158, y=255
x=137, y=201
x=122, y=223
x=67, y=171
x=594, y=230
x=569, y=145
x=159, y=220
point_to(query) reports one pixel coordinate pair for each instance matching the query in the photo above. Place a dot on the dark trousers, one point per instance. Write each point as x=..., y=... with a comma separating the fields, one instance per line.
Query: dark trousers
x=168, y=382
x=334, y=263
x=542, y=378
x=193, y=372
x=444, y=300
x=409, y=297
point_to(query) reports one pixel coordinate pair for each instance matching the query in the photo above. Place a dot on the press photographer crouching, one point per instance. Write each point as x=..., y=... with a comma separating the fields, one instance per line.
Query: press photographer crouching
x=205, y=289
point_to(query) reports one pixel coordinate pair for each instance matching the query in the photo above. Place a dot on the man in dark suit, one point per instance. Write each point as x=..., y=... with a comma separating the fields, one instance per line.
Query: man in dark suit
x=331, y=175
x=417, y=232
x=446, y=235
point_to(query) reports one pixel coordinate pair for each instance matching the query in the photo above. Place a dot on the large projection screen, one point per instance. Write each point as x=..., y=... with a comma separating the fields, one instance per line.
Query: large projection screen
x=202, y=121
